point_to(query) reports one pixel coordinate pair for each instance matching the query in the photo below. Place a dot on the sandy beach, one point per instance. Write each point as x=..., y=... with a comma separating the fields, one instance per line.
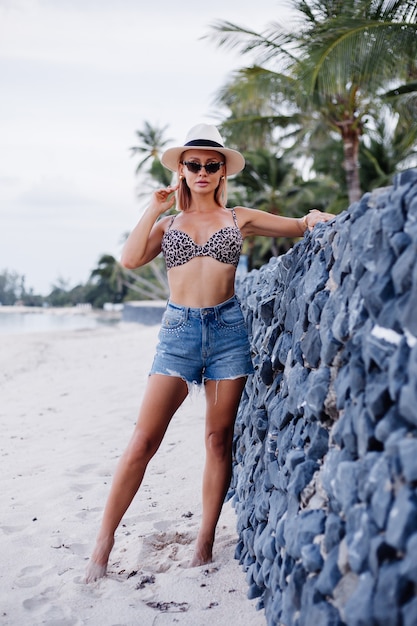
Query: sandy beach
x=68, y=405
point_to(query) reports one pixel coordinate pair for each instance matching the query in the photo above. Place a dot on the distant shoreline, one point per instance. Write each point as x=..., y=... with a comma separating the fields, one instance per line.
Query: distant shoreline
x=74, y=310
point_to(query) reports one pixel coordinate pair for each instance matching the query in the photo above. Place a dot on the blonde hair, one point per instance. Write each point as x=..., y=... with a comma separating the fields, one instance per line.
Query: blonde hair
x=184, y=194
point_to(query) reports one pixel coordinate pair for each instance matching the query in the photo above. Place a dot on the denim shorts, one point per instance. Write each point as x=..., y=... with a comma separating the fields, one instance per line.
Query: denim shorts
x=203, y=344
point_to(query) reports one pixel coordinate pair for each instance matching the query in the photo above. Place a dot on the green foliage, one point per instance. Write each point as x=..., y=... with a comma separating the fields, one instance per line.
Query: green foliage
x=11, y=287
x=333, y=73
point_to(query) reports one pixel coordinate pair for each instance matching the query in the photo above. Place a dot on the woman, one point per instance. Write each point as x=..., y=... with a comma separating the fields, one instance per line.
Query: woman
x=203, y=339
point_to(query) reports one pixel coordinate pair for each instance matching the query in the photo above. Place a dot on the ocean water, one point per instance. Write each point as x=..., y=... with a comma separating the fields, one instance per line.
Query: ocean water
x=31, y=322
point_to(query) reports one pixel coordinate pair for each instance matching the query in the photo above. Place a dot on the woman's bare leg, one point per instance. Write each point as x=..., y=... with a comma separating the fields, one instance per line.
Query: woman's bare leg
x=223, y=399
x=163, y=396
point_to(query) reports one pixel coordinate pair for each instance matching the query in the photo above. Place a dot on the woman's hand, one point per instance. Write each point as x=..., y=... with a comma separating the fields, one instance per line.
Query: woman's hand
x=163, y=199
x=315, y=217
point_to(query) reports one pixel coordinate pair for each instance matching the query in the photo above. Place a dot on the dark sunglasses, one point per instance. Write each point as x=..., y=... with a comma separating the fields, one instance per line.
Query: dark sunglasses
x=211, y=168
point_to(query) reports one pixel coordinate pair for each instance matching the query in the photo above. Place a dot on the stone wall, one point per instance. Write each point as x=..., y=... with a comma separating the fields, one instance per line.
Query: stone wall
x=325, y=467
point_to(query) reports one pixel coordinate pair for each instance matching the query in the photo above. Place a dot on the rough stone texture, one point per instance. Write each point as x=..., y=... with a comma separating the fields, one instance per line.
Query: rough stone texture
x=325, y=449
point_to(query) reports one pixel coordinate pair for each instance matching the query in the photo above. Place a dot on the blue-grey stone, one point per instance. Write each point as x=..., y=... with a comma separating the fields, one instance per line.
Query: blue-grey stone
x=408, y=567
x=311, y=346
x=303, y=326
x=402, y=520
x=280, y=351
x=380, y=552
x=381, y=498
x=410, y=318
x=277, y=506
x=358, y=543
x=375, y=289
x=328, y=472
x=402, y=269
x=346, y=484
x=260, y=423
x=291, y=314
x=392, y=221
x=317, y=390
x=330, y=574
x=342, y=385
x=405, y=178
x=391, y=422
x=409, y=613
x=254, y=591
x=408, y=457
x=266, y=372
x=387, y=597
x=397, y=369
x=316, y=306
x=319, y=442
x=286, y=569
x=294, y=458
x=399, y=242
x=340, y=326
x=376, y=351
x=316, y=276
x=266, y=310
x=366, y=483
x=273, y=610
x=363, y=426
x=301, y=530
x=342, y=265
x=343, y=433
x=311, y=557
x=269, y=548
x=292, y=596
x=334, y=531
x=408, y=403
x=302, y=475
x=357, y=314
x=358, y=608
x=356, y=373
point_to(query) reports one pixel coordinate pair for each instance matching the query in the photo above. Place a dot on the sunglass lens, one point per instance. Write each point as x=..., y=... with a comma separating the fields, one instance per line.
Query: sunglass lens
x=212, y=168
x=193, y=167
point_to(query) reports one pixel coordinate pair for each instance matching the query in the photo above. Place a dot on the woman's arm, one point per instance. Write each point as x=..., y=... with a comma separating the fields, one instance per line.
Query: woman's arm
x=144, y=242
x=255, y=222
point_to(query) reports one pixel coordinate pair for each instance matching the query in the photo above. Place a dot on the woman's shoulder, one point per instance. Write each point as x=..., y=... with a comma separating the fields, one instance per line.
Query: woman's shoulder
x=242, y=212
x=164, y=222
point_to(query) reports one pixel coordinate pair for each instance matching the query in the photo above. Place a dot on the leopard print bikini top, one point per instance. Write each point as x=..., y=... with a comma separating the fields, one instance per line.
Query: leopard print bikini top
x=225, y=245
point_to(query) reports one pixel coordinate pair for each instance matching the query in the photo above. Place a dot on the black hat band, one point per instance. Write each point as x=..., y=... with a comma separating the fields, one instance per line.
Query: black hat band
x=204, y=142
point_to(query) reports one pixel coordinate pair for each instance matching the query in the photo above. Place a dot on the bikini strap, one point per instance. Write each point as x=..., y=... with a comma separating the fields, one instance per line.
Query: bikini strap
x=171, y=222
x=235, y=218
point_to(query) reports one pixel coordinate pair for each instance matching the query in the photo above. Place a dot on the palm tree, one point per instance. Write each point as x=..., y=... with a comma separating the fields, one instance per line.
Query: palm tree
x=107, y=282
x=271, y=183
x=152, y=141
x=335, y=69
x=389, y=145
x=150, y=282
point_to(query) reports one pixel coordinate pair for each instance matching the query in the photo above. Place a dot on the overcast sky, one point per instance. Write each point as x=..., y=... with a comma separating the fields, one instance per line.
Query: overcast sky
x=78, y=78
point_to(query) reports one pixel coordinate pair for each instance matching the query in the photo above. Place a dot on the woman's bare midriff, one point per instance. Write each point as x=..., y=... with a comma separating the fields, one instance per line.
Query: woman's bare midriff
x=202, y=282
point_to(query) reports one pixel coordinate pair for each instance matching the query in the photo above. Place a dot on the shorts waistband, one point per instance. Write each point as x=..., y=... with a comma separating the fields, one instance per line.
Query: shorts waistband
x=205, y=311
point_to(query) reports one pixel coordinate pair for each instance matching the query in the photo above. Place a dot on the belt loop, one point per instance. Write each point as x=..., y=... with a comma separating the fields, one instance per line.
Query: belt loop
x=217, y=311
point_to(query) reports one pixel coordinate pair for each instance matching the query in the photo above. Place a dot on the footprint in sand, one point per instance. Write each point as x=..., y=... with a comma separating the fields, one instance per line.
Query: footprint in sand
x=51, y=615
x=29, y=576
x=164, y=550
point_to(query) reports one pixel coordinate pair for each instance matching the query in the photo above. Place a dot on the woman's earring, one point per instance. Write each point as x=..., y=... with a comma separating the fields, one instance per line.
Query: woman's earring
x=222, y=178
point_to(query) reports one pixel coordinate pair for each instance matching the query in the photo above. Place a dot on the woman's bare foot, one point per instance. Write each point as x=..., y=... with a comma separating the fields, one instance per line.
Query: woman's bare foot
x=97, y=565
x=203, y=553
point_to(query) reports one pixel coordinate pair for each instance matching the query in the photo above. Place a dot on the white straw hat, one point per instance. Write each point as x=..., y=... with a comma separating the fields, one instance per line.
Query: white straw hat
x=204, y=137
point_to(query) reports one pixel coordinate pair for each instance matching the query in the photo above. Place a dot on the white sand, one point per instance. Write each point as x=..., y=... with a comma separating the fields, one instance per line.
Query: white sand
x=68, y=403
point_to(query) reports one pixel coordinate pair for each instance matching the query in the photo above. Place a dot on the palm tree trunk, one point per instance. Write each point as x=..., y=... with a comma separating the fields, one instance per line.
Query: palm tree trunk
x=350, y=136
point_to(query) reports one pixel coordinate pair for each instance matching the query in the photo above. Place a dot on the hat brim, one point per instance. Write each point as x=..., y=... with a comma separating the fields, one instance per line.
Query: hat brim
x=235, y=162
